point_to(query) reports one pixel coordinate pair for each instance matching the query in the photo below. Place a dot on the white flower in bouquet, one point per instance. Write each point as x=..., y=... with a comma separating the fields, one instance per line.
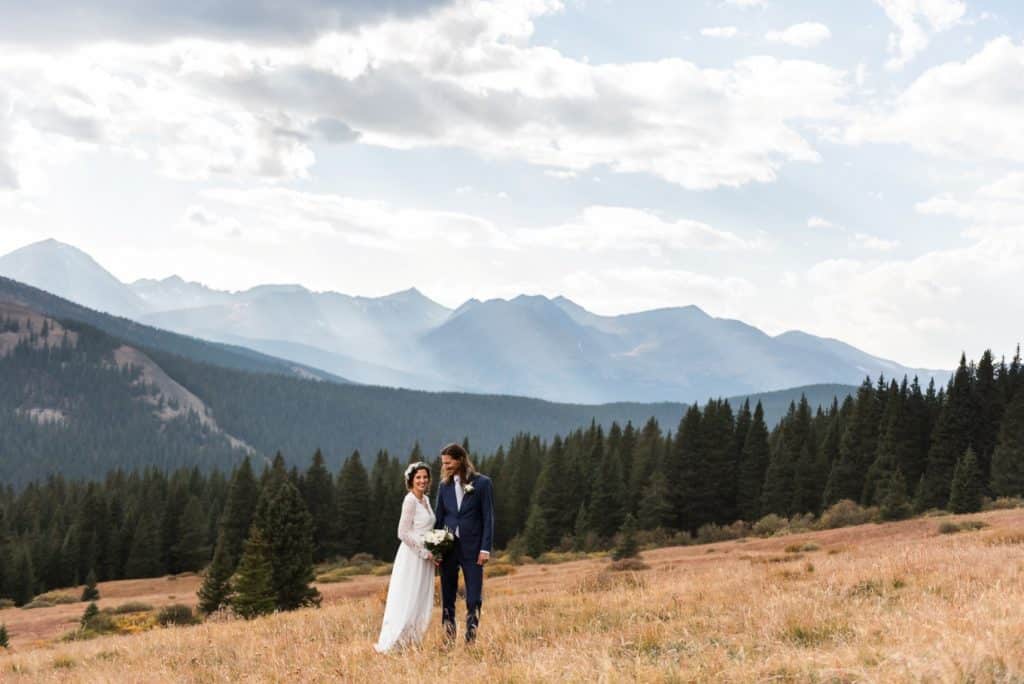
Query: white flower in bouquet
x=438, y=541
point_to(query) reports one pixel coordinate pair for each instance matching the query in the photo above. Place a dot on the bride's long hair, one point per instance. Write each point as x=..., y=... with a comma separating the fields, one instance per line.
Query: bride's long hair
x=466, y=470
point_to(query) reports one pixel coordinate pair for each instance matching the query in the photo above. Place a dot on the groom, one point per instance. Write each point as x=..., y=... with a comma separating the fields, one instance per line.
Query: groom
x=465, y=505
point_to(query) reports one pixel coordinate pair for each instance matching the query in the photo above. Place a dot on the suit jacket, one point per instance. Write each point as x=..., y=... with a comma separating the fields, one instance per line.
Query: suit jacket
x=474, y=521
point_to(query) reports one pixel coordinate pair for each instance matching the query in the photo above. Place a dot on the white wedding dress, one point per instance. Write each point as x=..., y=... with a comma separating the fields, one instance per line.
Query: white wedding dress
x=411, y=592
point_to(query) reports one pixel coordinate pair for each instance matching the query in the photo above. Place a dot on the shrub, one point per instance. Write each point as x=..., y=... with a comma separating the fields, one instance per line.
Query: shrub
x=844, y=514
x=951, y=527
x=1002, y=503
x=38, y=603
x=57, y=598
x=710, y=533
x=498, y=569
x=608, y=581
x=90, y=592
x=361, y=558
x=7, y=603
x=131, y=607
x=769, y=525
x=628, y=565
x=627, y=546
x=176, y=614
x=5, y=640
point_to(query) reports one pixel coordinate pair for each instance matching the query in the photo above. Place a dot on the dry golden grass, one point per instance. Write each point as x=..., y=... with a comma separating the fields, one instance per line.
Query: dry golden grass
x=898, y=603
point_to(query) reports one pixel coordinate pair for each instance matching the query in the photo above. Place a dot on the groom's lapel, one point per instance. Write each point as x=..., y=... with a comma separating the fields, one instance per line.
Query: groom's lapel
x=454, y=496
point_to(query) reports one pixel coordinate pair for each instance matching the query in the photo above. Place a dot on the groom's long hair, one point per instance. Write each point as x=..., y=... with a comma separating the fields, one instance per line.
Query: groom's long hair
x=466, y=470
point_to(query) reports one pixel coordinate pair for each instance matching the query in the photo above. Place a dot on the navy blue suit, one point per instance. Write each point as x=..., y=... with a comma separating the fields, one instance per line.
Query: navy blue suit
x=475, y=524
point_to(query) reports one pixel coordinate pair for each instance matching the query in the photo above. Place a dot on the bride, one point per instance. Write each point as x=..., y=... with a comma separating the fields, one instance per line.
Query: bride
x=411, y=592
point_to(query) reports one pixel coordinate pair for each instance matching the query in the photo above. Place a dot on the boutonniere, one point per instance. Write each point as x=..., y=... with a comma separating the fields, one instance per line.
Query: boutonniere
x=468, y=489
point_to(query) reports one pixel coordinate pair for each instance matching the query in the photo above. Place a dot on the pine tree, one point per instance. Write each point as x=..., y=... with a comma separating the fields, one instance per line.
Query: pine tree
x=190, y=550
x=793, y=432
x=894, y=503
x=950, y=440
x=655, y=509
x=1008, y=457
x=714, y=486
x=23, y=583
x=580, y=527
x=387, y=488
x=857, y=448
x=252, y=584
x=534, y=535
x=170, y=526
x=965, y=490
x=607, y=496
x=321, y=500
x=644, y=460
x=90, y=592
x=91, y=611
x=752, y=467
x=216, y=586
x=239, y=509
x=287, y=530
x=681, y=467
x=353, y=503
x=553, y=496
x=144, y=556
x=627, y=546
x=988, y=406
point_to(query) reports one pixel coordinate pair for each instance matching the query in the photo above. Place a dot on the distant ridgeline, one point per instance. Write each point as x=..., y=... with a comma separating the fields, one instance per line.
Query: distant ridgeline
x=894, y=445
x=84, y=392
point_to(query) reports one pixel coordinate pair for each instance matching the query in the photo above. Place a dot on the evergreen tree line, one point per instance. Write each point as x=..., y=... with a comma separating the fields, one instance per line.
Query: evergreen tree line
x=894, y=445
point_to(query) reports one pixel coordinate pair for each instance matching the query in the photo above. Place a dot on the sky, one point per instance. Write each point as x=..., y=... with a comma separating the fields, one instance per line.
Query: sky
x=851, y=169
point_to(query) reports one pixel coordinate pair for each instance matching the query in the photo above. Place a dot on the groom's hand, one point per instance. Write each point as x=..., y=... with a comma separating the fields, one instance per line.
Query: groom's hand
x=483, y=558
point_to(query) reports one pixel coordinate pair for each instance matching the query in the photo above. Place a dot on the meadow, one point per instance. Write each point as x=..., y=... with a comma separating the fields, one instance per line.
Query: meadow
x=910, y=601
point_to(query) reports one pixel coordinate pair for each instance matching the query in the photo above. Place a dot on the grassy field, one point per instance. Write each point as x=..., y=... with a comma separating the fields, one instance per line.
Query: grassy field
x=899, y=602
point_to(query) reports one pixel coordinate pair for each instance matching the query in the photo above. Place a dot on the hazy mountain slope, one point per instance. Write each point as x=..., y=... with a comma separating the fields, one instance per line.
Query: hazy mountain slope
x=153, y=338
x=71, y=273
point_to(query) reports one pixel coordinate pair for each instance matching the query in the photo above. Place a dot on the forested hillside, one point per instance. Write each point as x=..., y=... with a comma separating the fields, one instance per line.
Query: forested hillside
x=76, y=410
x=896, y=445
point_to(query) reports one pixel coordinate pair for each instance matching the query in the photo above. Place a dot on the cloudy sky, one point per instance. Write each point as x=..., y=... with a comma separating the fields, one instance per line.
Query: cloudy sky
x=853, y=169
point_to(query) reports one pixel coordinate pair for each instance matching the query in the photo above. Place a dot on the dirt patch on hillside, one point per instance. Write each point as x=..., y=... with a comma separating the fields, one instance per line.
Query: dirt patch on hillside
x=30, y=326
x=178, y=401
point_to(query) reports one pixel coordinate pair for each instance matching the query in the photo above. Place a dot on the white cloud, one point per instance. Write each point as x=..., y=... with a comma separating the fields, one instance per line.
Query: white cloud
x=278, y=215
x=874, y=242
x=991, y=209
x=804, y=35
x=747, y=3
x=861, y=75
x=639, y=288
x=819, y=222
x=464, y=76
x=933, y=305
x=719, y=31
x=623, y=229
x=967, y=110
x=915, y=21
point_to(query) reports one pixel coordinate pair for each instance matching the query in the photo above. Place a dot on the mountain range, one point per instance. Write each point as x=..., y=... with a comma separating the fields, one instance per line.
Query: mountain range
x=70, y=374
x=549, y=348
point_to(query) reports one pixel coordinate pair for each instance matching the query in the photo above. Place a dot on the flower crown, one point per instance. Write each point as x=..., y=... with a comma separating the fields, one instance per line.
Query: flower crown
x=413, y=467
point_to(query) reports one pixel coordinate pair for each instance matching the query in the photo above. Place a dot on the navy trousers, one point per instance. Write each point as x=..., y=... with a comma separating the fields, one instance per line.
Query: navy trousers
x=473, y=576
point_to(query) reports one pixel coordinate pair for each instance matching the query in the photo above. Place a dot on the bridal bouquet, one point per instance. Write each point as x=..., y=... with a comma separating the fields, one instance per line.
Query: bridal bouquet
x=438, y=542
